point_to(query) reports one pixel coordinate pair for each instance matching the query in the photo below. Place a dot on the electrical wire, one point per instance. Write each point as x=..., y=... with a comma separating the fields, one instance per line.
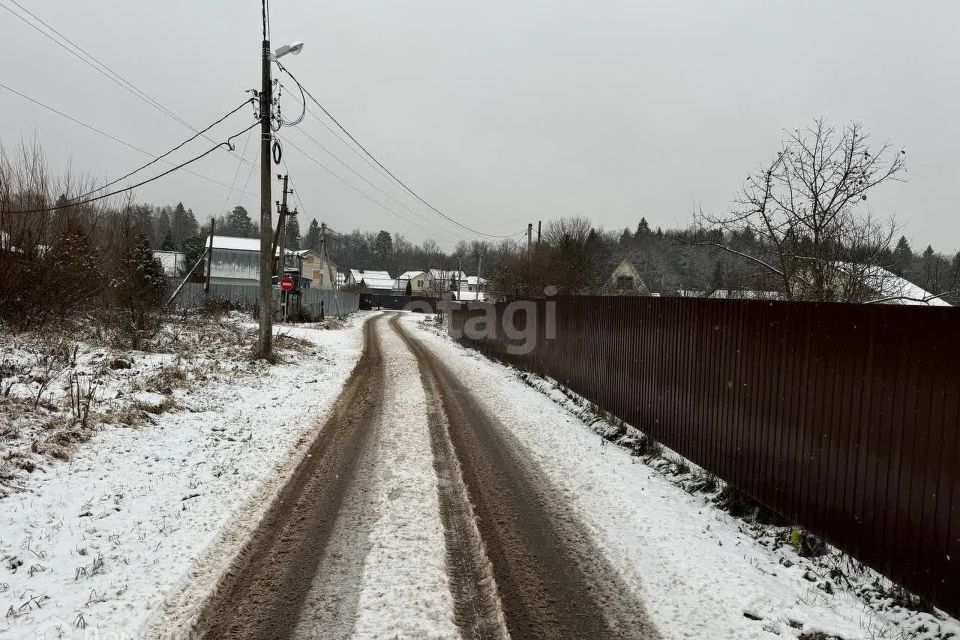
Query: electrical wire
x=108, y=135
x=303, y=112
x=91, y=61
x=360, y=191
x=380, y=164
x=364, y=178
x=167, y=153
x=236, y=173
x=226, y=143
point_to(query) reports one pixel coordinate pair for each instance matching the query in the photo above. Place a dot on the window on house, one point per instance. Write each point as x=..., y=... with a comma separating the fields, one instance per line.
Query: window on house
x=624, y=283
x=317, y=277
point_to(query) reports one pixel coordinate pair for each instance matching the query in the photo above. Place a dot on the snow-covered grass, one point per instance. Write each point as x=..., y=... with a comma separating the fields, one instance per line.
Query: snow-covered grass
x=177, y=446
x=701, y=572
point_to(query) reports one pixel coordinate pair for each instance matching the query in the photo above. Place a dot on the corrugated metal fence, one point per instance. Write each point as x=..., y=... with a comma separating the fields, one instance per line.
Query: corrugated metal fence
x=843, y=418
x=245, y=297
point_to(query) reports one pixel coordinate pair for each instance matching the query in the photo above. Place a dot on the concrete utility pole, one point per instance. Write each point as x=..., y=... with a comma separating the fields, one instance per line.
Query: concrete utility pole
x=539, y=224
x=332, y=274
x=206, y=284
x=529, y=237
x=479, y=264
x=264, y=293
x=282, y=230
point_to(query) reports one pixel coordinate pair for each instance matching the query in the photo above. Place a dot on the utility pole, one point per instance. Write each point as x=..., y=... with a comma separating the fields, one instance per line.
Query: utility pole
x=282, y=232
x=325, y=256
x=539, y=224
x=206, y=284
x=479, y=264
x=265, y=297
x=529, y=237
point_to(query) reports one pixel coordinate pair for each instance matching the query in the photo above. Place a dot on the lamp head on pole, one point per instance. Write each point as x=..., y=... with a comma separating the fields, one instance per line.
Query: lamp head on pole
x=294, y=47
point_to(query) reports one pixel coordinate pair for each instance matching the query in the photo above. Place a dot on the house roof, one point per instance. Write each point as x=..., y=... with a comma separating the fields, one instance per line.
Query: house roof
x=745, y=294
x=472, y=280
x=447, y=274
x=233, y=243
x=900, y=290
x=410, y=275
x=373, y=279
x=891, y=288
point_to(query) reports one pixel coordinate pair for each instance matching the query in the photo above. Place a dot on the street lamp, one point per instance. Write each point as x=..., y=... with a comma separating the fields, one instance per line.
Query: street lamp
x=294, y=47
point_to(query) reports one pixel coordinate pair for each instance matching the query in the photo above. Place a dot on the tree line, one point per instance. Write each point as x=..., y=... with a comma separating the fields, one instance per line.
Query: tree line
x=797, y=228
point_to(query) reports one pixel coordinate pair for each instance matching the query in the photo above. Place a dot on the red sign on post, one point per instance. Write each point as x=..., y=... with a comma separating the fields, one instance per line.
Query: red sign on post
x=286, y=283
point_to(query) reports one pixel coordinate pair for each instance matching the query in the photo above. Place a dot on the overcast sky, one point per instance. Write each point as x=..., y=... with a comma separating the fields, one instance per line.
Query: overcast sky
x=501, y=112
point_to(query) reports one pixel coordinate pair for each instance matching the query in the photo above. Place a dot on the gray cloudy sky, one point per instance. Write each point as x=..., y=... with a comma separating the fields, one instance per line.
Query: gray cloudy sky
x=506, y=112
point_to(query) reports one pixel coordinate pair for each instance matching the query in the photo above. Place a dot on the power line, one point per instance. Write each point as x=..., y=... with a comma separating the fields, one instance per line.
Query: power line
x=362, y=177
x=226, y=142
x=236, y=173
x=380, y=164
x=94, y=63
x=164, y=155
x=108, y=135
x=360, y=191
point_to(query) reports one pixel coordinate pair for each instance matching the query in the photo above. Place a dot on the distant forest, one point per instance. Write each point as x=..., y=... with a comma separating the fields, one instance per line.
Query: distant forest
x=573, y=254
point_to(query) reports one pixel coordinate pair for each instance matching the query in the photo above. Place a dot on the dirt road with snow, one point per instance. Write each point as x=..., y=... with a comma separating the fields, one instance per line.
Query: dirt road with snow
x=417, y=514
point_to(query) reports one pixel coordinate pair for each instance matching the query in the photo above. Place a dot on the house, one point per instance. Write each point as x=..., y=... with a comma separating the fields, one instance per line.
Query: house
x=626, y=280
x=375, y=281
x=318, y=269
x=173, y=262
x=471, y=296
x=419, y=283
x=445, y=279
x=474, y=283
x=235, y=260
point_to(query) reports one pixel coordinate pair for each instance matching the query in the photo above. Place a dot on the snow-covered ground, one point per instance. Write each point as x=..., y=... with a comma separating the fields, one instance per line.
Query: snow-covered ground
x=91, y=545
x=701, y=572
x=405, y=593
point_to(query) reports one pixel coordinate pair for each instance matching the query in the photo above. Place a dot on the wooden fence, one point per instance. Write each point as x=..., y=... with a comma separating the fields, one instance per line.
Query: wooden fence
x=843, y=418
x=244, y=296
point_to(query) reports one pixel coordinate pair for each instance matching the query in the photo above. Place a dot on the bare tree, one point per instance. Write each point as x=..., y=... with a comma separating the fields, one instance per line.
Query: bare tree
x=803, y=208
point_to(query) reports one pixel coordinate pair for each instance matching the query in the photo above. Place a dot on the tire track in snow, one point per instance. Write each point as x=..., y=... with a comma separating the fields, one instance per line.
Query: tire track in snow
x=476, y=603
x=552, y=581
x=264, y=590
x=405, y=585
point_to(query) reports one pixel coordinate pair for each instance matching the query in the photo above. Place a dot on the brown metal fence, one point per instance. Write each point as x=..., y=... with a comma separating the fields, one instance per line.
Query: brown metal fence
x=843, y=418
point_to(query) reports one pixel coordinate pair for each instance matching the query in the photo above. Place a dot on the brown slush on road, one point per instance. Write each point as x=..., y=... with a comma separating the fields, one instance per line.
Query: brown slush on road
x=551, y=580
x=263, y=592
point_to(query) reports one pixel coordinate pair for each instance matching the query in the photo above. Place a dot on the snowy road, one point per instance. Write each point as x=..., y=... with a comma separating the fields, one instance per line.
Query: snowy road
x=417, y=515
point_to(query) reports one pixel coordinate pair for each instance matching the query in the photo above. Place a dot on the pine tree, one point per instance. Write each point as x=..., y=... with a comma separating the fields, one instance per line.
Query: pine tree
x=626, y=236
x=383, y=247
x=931, y=270
x=292, y=236
x=902, y=256
x=183, y=224
x=643, y=228
x=162, y=227
x=238, y=223
x=312, y=239
x=139, y=285
x=167, y=244
x=143, y=218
